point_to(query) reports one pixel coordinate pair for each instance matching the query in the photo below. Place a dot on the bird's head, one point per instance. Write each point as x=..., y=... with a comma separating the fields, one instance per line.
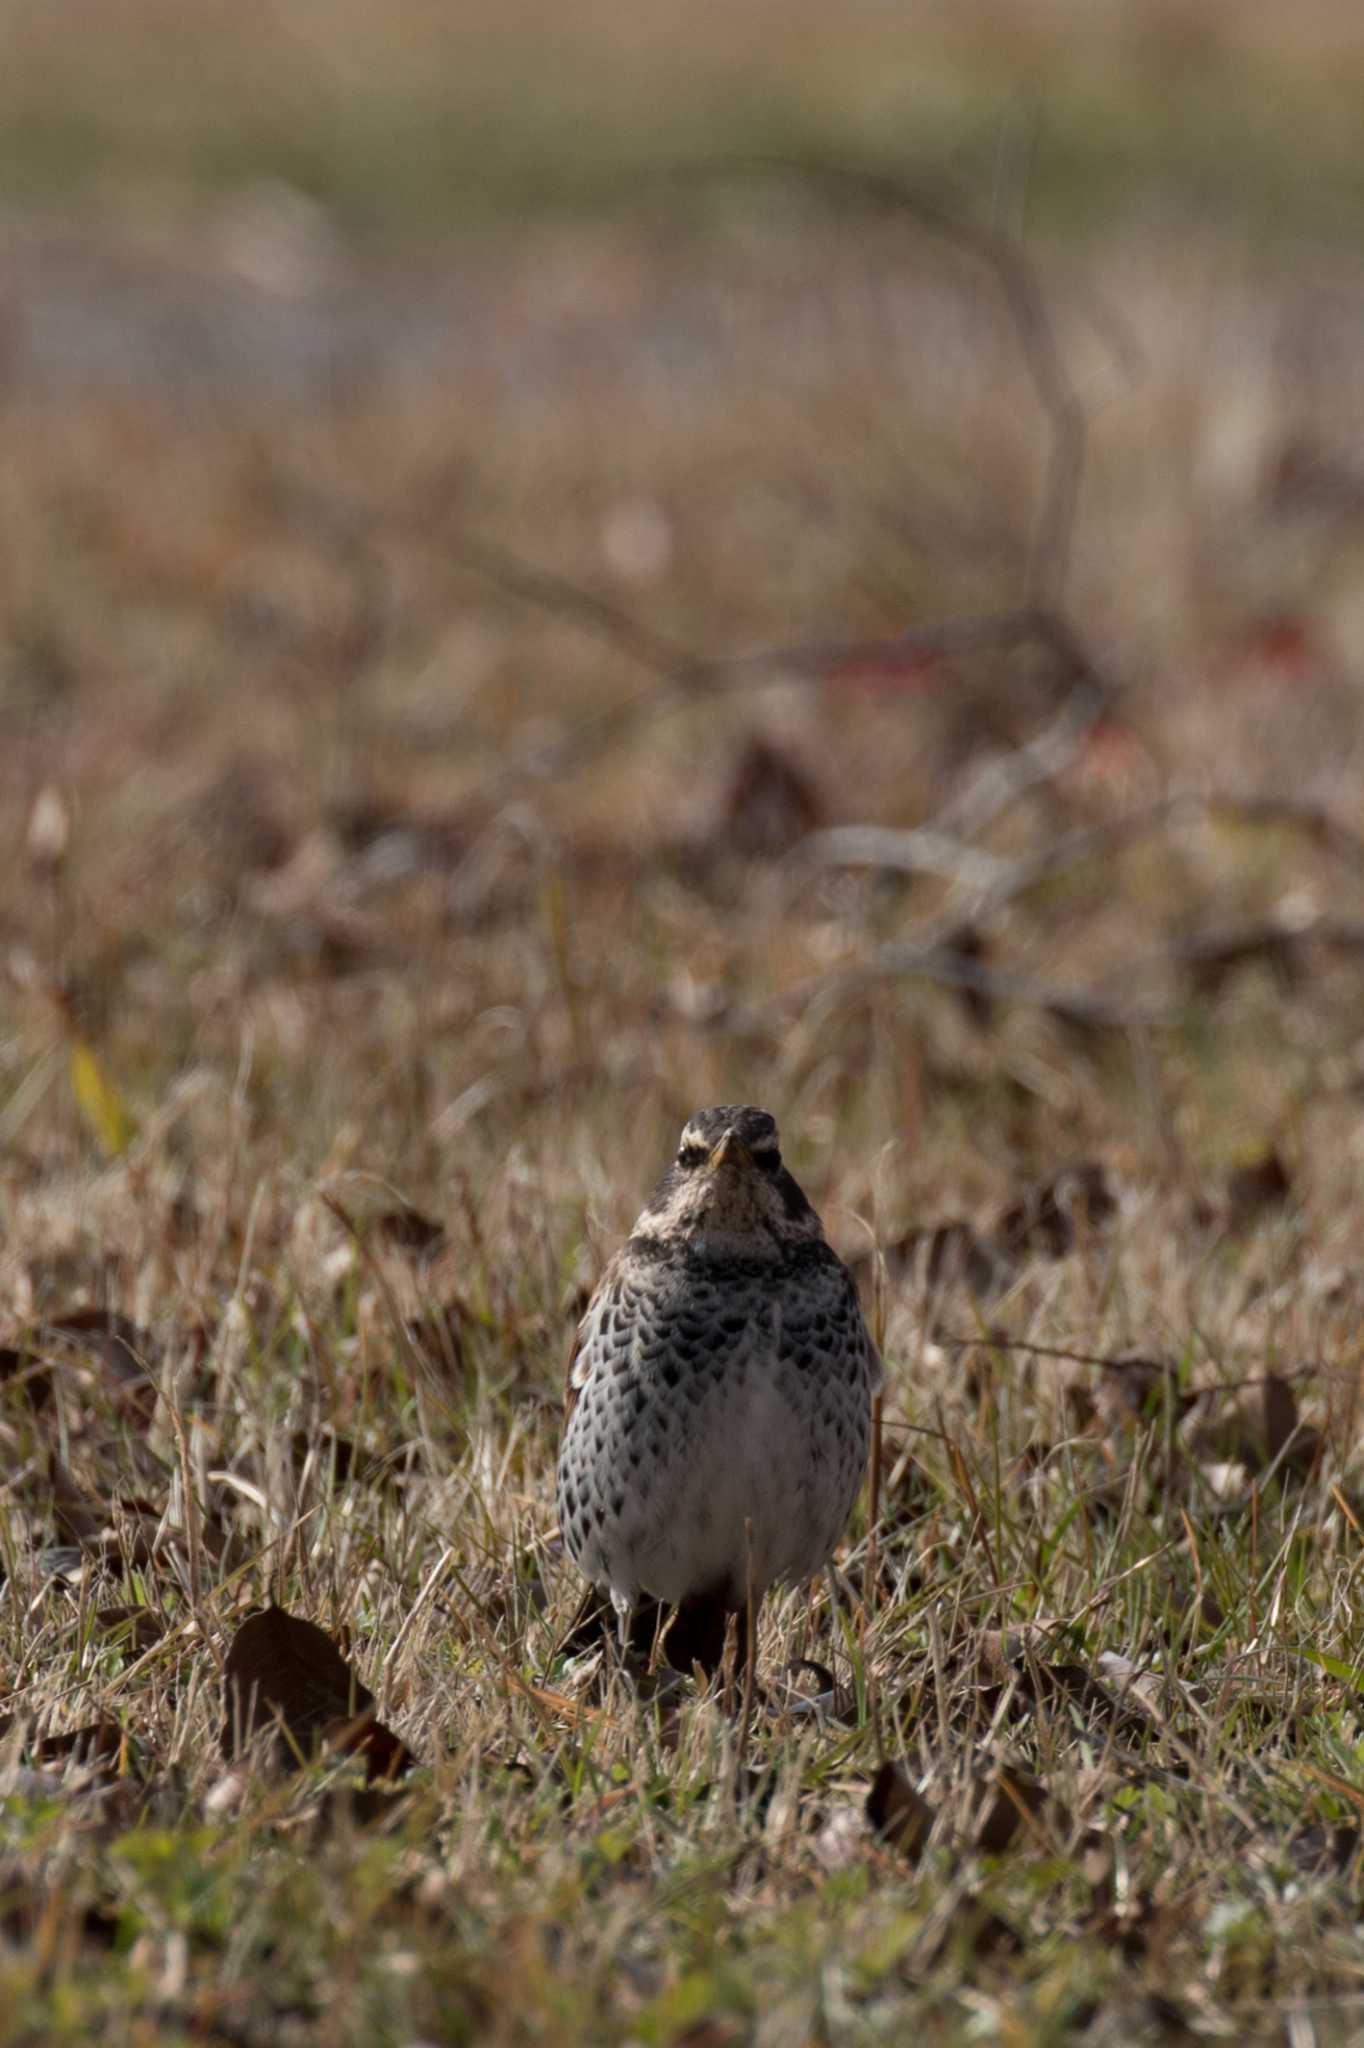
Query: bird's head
x=727, y=1190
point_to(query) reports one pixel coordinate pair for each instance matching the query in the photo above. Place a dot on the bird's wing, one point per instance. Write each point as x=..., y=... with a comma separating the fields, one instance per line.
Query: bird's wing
x=822, y=1326
x=587, y=1338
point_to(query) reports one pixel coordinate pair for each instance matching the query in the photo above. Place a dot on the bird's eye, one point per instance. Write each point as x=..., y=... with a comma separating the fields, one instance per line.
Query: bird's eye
x=692, y=1155
x=768, y=1157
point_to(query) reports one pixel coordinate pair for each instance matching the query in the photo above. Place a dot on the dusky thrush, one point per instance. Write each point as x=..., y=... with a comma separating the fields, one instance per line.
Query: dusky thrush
x=719, y=1396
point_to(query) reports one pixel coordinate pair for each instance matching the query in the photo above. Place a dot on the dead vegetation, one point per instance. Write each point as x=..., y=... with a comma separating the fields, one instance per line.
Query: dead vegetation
x=778, y=682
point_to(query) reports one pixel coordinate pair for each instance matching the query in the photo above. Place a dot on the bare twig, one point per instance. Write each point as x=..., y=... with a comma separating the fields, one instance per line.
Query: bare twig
x=685, y=675
x=932, y=850
x=934, y=961
x=1120, y=1360
x=1024, y=298
x=991, y=884
x=917, y=850
x=567, y=599
x=945, y=845
x=1116, y=1007
x=1001, y=781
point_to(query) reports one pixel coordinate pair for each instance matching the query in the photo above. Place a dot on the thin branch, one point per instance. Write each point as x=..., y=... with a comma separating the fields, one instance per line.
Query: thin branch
x=1000, y=881
x=1123, y=1360
x=920, y=850
x=685, y=674
x=1025, y=301
x=567, y=599
x=1115, y=1007
x=1000, y=782
x=934, y=961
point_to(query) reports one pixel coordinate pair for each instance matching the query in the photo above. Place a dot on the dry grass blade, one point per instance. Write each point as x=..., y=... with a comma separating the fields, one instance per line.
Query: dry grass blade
x=470, y=702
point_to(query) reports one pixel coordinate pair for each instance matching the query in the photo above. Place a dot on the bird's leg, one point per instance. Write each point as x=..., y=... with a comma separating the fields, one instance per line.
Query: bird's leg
x=741, y=1641
x=656, y=1645
x=729, y=1660
x=696, y=1632
x=752, y=1603
x=748, y=1624
x=625, y=1608
x=641, y=1624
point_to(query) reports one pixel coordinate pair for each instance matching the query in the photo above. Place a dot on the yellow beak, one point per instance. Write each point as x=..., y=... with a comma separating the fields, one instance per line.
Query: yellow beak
x=731, y=1151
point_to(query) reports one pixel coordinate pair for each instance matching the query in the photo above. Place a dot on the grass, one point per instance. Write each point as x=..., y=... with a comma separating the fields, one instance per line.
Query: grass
x=307, y=938
x=406, y=118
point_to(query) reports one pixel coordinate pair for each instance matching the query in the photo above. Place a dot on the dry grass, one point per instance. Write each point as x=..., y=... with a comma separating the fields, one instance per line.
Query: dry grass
x=406, y=114
x=325, y=893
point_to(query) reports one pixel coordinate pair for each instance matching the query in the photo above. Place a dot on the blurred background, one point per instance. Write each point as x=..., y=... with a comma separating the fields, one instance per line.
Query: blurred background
x=564, y=563
x=421, y=424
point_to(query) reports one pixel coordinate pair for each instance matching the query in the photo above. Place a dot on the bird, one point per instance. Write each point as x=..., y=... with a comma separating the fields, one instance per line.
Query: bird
x=719, y=1399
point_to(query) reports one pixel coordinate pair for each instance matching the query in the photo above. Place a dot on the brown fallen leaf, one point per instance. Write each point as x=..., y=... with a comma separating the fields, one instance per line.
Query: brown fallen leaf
x=78, y=1514
x=438, y=1338
x=1012, y=1797
x=1253, y=1426
x=1193, y=1615
x=286, y=1673
x=715, y=2032
x=1040, y=1681
x=118, y=1531
x=102, y=1747
x=769, y=804
x=1122, y=1915
x=1296, y=1444
x=941, y=1255
x=969, y=945
x=1255, y=1188
x=983, y=1931
x=1325, y=1846
x=27, y=1374
x=137, y=1627
x=1209, y=958
x=1136, y=1391
x=897, y=1812
x=335, y=1455
x=1280, y=1410
x=1071, y=1688
x=811, y=1687
x=407, y=1230
x=123, y=1354
x=1049, y=1220
x=27, y=1915
x=95, y=1742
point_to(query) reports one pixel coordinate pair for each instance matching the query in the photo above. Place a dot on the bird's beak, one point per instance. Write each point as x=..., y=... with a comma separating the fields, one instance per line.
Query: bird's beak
x=731, y=1151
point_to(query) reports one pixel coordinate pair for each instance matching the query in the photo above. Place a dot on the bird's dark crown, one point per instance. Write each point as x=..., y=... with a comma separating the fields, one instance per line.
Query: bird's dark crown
x=727, y=1189
x=757, y=1129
